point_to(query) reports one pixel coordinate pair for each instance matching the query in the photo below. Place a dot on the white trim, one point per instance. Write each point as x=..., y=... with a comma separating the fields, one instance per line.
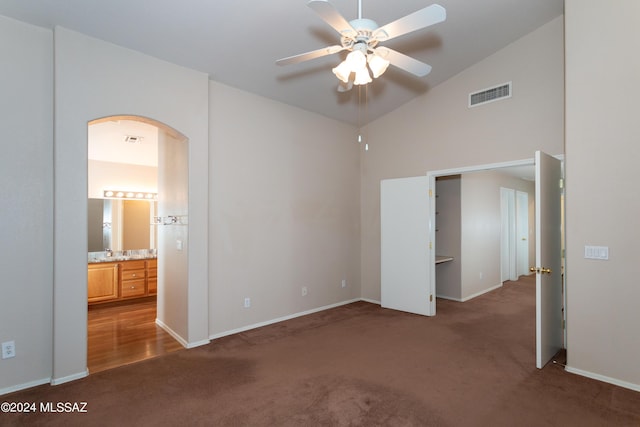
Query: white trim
x=280, y=319
x=448, y=298
x=603, y=378
x=24, y=386
x=198, y=343
x=72, y=377
x=477, y=294
x=173, y=333
x=478, y=168
x=371, y=301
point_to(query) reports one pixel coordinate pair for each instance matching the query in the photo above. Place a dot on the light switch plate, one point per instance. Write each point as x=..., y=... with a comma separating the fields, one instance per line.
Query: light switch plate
x=596, y=252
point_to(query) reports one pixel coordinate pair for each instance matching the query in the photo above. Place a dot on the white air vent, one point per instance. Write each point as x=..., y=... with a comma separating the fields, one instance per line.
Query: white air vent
x=489, y=95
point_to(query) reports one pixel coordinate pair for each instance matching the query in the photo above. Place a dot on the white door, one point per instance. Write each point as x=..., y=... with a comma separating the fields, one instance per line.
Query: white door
x=522, y=227
x=507, y=235
x=404, y=239
x=549, y=325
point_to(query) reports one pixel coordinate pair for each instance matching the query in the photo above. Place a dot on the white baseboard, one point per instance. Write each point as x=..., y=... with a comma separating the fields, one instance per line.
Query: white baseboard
x=603, y=378
x=280, y=319
x=178, y=338
x=372, y=301
x=448, y=298
x=171, y=332
x=24, y=386
x=198, y=343
x=477, y=294
x=72, y=377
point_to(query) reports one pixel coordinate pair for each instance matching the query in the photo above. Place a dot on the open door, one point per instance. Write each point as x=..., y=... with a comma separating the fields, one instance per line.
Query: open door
x=404, y=228
x=549, y=321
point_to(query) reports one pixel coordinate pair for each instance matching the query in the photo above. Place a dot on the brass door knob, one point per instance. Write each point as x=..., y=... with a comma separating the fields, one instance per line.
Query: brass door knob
x=540, y=270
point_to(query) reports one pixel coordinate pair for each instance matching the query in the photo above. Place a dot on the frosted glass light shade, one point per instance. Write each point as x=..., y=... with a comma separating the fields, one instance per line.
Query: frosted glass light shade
x=342, y=71
x=378, y=65
x=362, y=76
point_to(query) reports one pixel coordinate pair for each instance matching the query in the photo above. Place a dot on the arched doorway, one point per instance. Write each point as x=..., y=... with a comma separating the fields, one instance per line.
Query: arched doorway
x=137, y=261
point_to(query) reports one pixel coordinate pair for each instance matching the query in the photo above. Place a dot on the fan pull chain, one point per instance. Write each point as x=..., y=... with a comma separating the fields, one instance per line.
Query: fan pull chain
x=366, y=112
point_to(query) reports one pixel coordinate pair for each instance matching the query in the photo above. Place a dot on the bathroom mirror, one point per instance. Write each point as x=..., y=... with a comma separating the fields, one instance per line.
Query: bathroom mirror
x=121, y=225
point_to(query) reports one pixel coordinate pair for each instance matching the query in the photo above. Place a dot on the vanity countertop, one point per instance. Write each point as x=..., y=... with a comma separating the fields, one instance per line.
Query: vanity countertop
x=121, y=258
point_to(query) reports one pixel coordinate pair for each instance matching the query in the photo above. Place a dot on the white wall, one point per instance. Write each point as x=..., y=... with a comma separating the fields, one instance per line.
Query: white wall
x=285, y=210
x=91, y=83
x=437, y=131
x=602, y=202
x=26, y=197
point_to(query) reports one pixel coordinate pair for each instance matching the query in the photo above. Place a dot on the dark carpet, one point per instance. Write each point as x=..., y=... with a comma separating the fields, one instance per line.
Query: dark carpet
x=357, y=365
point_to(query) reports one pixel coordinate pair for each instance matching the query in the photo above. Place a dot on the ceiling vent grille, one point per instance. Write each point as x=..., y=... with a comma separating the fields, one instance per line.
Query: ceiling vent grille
x=491, y=94
x=132, y=139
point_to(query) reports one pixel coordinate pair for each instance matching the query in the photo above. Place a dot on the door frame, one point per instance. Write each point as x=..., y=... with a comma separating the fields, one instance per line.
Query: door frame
x=431, y=178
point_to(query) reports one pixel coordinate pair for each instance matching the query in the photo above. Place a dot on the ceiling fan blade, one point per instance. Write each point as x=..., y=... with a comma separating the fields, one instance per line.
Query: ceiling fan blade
x=404, y=62
x=423, y=18
x=295, y=59
x=331, y=16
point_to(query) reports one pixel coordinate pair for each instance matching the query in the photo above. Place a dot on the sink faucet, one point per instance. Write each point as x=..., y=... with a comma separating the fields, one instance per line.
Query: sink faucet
x=109, y=252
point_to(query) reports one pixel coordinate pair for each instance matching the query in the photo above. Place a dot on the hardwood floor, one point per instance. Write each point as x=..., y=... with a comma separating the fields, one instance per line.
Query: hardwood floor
x=125, y=333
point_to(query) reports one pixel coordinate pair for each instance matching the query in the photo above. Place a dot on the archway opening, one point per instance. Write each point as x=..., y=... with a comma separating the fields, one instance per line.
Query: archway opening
x=138, y=252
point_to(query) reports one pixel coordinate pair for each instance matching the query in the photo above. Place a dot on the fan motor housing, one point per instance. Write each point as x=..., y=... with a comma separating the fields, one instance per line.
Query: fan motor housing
x=364, y=33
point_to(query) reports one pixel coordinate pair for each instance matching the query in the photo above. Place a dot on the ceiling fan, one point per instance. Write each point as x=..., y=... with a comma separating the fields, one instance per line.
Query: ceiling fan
x=361, y=37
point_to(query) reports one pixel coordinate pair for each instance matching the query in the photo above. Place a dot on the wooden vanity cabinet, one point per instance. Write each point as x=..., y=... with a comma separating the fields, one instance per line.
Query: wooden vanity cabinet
x=116, y=281
x=133, y=279
x=103, y=282
x=152, y=276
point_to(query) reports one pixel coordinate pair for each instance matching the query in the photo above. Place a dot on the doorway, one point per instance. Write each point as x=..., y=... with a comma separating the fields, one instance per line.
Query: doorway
x=514, y=233
x=138, y=168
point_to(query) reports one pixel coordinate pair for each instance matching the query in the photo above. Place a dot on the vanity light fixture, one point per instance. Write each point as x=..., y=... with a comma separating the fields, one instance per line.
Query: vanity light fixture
x=131, y=195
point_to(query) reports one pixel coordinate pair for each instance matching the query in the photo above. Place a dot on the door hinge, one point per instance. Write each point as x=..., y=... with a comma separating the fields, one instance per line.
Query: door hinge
x=430, y=193
x=430, y=245
x=430, y=298
x=564, y=324
x=561, y=183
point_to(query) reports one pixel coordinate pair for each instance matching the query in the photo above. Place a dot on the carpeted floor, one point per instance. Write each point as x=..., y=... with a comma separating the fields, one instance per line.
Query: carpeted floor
x=360, y=365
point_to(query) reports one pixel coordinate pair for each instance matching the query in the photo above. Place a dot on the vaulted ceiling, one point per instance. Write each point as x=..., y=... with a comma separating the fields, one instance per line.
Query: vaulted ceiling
x=236, y=42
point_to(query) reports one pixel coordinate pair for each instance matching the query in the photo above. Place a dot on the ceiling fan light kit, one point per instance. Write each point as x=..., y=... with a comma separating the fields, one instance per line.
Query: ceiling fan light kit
x=361, y=37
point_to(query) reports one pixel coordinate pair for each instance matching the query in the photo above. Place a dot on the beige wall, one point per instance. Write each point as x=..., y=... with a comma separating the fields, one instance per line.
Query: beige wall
x=26, y=197
x=91, y=83
x=437, y=131
x=469, y=229
x=448, y=236
x=285, y=210
x=602, y=203
x=173, y=267
x=481, y=228
x=109, y=175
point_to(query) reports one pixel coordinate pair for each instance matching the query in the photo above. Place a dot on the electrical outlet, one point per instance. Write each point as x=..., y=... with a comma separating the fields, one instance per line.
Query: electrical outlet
x=344, y=283
x=8, y=349
x=305, y=291
x=247, y=302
